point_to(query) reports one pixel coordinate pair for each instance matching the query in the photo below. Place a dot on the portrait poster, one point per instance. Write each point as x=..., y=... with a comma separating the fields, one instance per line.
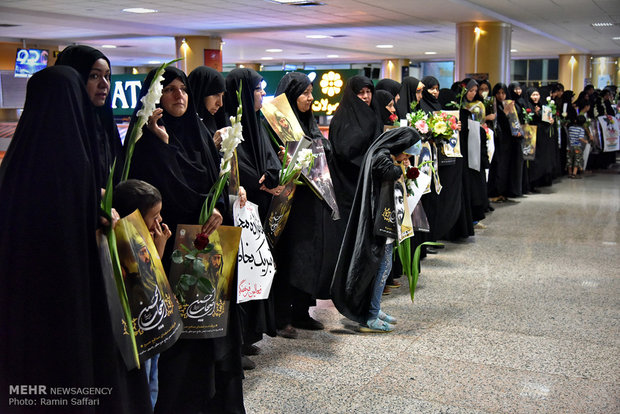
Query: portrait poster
x=490, y=143
x=473, y=144
x=254, y=262
x=283, y=121
x=452, y=148
x=529, y=141
x=419, y=219
x=609, y=133
x=476, y=109
x=404, y=226
x=277, y=214
x=596, y=137
x=426, y=154
x=435, y=169
x=546, y=114
x=205, y=313
x=233, y=179
x=115, y=309
x=154, y=309
x=513, y=118
x=417, y=189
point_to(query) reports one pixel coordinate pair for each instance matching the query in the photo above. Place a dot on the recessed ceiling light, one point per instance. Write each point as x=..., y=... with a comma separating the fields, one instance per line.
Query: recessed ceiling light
x=513, y=50
x=615, y=38
x=154, y=62
x=385, y=46
x=602, y=24
x=298, y=2
x=332, y=56
x=273, y=50
x=267, y=58
x=430, y=53
x=139, y=10
x=318, y=36
x=108, y=46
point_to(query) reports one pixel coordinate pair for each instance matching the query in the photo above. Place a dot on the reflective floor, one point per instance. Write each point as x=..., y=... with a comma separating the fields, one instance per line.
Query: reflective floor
x=522, y=318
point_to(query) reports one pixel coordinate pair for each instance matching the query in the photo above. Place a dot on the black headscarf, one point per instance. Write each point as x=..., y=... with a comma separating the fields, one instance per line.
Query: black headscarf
x=82, y=58
x=362, y=251
x=293, y=84
x=389, y=85
x=499, y=86
x=445, y=97
x=429, y=103
x=529, y=103
x=182, y=170
x=383, y=99
x=49, y=186
x=256, y=155
x=205, y=81
x=407, y=95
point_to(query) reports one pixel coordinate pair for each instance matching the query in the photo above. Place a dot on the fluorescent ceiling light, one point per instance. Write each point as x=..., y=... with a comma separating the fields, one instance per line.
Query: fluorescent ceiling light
x=298, y=2
x=513, y=50
x=267, y=58
x=273, y=50
x=615, y=38
x=318, y=36
x=332, y=56
x=139, y=10
x=154, y=62
x=430, y=53
x=108, y=46
x=602, y=24
x=385, y=46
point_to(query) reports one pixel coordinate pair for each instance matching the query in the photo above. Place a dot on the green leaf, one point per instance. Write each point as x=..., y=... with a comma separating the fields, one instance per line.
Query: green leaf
x=198, y=266
x=190, y=256
x=204, y=285
x=177, y=257
x=188, y=279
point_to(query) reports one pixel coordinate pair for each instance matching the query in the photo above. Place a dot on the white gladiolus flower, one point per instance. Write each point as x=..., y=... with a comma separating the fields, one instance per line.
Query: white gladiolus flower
x=548, y=98
x=305, y=159
x=151, y=98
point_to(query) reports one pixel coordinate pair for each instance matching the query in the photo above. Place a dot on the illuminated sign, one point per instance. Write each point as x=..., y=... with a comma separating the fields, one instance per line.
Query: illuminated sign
x=125, y=90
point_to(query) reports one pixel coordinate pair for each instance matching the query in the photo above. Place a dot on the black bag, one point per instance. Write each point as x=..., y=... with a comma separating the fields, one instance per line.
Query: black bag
x=385, y=217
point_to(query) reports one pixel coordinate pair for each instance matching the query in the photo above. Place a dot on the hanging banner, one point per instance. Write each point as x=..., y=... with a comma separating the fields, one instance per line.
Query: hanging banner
x=529, y=141
x=609, y=133
x=203, y=279
x=255, y=262
x=154, y=308
x=473, y=144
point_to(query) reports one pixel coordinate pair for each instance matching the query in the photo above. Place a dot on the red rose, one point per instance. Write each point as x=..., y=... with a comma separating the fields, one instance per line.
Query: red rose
x=413, y=173
x=463, y=85
x=528, y=110
x=202, y=241
x=393, y=117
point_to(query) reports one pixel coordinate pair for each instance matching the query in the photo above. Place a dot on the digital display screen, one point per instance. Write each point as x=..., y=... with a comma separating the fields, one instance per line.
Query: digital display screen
x=29, y=61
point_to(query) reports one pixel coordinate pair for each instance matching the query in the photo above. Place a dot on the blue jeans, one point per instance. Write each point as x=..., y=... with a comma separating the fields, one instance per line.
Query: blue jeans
x=150, y=367
x=379, y=283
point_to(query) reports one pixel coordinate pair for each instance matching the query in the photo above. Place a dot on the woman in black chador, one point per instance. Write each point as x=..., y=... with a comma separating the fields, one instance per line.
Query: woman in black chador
x=94, y=69
x=410, y=91
x=177, y=155
x=55, y=323
x=207, y=87
x=303, y=273
x=541, y=168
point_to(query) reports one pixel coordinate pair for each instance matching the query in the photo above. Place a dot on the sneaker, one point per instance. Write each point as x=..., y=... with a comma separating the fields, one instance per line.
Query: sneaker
x=287, y=332
x=387, y=318
x=376, y=326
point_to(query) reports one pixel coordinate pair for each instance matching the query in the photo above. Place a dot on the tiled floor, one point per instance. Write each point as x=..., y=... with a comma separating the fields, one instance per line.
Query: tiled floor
x=522, y=318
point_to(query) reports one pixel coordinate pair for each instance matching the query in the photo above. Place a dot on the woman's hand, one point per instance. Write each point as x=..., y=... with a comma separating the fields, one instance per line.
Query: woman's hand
x=217, y=137
x=213, y=223
x=273, y=191
x=281, y=155
x=458, y=126
x=160, y=235
x=490, y=117
x=115, y=218
x=243, y=197
x=158, y=130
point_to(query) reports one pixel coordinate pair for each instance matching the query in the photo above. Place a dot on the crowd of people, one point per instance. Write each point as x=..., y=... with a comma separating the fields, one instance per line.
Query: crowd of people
x=56, y=325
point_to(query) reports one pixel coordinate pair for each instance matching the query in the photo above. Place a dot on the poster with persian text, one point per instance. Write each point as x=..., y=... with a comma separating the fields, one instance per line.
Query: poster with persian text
x=204, y=308
x=609, y=133
x=254, y=262
x=154, y=308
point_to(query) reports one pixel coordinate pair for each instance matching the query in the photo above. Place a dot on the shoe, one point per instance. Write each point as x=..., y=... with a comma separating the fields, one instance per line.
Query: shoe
x=578, y=177
x=250, y=350
x=387, y=318
x=247, y=364
x=376, y=326
x=480, y=226
x=387, y=290
x=393, y=284
x=287, y=332
x=308, y=324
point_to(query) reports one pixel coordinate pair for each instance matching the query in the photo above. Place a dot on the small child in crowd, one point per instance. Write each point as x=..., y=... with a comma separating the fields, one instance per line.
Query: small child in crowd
x=577, y=136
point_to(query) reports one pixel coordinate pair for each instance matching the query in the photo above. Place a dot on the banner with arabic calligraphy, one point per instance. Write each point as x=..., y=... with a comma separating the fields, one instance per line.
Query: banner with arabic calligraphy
x=205, y=313
x=255, y=262
x=609, y=133
x=154, y=308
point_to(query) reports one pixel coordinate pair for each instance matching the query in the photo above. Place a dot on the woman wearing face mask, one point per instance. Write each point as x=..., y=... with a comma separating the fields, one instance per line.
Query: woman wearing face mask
x=176, y=154
x=94, y=68
x=540, y=169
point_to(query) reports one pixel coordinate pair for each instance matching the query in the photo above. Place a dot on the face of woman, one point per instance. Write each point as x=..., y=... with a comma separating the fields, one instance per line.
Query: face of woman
x=518, y=90
x=484, y=90
x=501, y=95
x=98, y=83
x=535, y=96
x=174, y=98
x=434, y=90
x=259, y=92
x=390, y=107
x=471, y=93
x=304, y=101
x=214, y=102
x=418, y=95
x=365, y=95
